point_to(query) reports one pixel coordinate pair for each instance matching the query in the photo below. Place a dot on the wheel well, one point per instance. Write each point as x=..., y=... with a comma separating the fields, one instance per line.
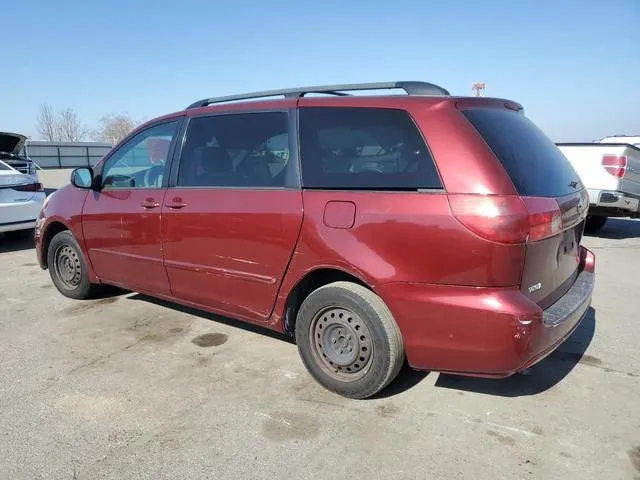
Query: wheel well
x=52, y=230
x=312, y=281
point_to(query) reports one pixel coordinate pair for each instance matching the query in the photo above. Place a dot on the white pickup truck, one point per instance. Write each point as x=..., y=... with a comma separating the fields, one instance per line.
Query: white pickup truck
x=610, y=171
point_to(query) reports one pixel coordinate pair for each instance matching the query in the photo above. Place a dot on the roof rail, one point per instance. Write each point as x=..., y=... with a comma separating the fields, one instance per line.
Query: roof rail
x=411, y=87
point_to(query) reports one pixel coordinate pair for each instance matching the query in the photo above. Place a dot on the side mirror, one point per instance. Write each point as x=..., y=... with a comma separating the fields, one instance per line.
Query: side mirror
x=82, y=178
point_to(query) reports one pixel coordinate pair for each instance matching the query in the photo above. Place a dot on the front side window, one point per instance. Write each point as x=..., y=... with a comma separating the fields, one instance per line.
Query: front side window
x=142, y=161
x=363, y=148
x=236, y=150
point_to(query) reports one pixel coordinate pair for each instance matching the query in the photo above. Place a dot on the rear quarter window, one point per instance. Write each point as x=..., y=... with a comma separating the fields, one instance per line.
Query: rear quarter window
x=365, y=149
x=535, y=165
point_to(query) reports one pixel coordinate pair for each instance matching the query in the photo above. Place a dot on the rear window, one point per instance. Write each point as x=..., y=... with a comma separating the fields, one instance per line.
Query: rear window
x=363, y=148
x=535, y=165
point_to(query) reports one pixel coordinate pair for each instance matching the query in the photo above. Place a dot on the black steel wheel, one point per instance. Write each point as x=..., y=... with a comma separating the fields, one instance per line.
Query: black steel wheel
x=67, y=267
x=341, y=343
x=348, y=340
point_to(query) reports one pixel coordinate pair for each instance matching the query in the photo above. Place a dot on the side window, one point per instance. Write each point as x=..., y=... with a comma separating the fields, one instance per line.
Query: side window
x=236, y=150
x=363, y=148
x=142, y=161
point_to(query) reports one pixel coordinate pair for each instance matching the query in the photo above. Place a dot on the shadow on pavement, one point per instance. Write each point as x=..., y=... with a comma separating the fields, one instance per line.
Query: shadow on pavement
x=8, y=244
x=542, y=376
x=406, y=380
x=619, y=228
x=249, y=327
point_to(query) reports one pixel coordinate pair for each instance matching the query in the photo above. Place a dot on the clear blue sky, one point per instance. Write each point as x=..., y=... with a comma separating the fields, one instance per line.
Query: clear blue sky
x=574, y=65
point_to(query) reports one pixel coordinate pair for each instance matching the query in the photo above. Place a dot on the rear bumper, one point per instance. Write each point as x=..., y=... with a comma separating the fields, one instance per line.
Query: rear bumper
x=20, y=215
x=610, y=199
x=491, y=332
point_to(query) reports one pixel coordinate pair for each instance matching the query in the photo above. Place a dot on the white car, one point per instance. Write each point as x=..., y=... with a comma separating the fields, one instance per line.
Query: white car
x=630, y=139
x=21, y=198
x=13, y=153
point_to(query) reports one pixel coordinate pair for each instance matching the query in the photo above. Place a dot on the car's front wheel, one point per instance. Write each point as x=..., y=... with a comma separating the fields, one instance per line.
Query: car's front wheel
x=348, y=340
x=68, y=269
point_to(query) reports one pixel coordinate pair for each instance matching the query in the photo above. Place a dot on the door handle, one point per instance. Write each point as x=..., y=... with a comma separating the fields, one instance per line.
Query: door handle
x=175, y=203
x=149, y=203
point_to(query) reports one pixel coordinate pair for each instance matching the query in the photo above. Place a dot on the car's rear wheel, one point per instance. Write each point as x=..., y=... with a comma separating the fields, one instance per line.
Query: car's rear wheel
x=68, y=269
x=594, y=224
x=348, y=340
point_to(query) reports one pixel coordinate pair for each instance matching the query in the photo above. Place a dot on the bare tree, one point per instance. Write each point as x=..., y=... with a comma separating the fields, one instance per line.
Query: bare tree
x=47, y=123
x=70, y=129
x=114, y=127
x=63, y=126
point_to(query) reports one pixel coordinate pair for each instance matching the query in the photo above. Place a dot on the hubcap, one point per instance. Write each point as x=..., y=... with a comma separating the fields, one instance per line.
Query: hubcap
x=67, y=266
x=341, y=343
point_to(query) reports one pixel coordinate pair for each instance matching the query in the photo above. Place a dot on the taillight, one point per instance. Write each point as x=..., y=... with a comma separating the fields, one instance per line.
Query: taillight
x=30, y=187
x=545, y=218
x=615, y=165
x=498, y=218
x=507, y=218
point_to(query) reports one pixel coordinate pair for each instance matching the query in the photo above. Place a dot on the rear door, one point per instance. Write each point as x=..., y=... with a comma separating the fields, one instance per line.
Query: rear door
x=232, y=217
x=538, y=170
x=121, y=219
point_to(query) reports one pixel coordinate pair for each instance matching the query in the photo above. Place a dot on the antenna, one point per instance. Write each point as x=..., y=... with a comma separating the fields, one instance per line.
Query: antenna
x=478, y=88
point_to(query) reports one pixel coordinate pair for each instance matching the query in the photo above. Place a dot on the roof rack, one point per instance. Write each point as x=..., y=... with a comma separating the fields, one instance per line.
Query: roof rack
x=411, y=87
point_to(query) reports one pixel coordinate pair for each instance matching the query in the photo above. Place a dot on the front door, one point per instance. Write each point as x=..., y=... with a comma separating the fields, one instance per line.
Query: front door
x=231, y=222
x=121, y=219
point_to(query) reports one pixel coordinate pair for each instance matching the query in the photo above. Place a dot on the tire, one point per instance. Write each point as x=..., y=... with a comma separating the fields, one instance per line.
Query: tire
x=594, y=224
x=68, y=269
x=20, y=234
x=342, y=315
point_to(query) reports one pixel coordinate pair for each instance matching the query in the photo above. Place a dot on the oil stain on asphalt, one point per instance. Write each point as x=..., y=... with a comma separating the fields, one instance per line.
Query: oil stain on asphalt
x=289, y=426
x=634, y=456
x=387, y=410
x=210, y=339
x=88, y=305
x=503, y=439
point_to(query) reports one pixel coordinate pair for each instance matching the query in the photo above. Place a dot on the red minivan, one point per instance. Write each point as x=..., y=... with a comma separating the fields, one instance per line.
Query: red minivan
x=438, y=229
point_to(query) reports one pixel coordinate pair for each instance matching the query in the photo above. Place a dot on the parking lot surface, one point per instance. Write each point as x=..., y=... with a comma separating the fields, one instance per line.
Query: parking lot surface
x=128, y=387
